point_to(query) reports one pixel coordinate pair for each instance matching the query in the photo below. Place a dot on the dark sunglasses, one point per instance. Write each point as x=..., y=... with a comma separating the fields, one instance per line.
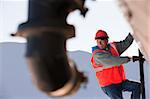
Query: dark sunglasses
x=102, y=38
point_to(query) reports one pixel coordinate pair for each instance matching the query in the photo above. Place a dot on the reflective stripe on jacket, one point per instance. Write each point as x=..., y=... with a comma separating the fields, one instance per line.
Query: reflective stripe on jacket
x=108, y=76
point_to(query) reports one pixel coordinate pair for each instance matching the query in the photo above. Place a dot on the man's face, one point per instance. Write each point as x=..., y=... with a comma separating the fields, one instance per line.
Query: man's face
x=102, y=43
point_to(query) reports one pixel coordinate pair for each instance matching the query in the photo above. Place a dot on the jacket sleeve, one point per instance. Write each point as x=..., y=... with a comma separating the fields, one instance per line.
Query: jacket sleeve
x=107, y=60
x=123, y=45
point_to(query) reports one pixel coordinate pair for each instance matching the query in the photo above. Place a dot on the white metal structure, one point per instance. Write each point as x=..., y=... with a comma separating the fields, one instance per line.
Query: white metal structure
x=137, y=13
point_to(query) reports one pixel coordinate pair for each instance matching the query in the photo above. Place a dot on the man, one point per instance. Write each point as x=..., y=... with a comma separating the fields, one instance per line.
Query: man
x=107, y=63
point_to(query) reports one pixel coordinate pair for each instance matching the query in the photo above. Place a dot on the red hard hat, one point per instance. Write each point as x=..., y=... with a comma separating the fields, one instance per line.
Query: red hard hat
x=101, y=33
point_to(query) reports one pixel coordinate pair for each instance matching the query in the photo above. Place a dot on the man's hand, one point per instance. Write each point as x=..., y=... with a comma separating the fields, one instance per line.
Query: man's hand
x=130, y=58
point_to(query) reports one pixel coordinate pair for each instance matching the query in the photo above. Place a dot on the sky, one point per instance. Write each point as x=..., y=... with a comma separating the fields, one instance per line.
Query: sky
x=102, y=14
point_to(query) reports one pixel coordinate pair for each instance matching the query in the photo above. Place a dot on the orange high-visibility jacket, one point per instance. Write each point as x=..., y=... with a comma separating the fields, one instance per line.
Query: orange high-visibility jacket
x=108, y=76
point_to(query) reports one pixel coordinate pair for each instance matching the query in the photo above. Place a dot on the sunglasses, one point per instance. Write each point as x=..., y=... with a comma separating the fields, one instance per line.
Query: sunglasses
x=102, y=38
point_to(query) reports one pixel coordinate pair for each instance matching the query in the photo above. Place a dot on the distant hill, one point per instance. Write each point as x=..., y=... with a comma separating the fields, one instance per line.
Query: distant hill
x=15, y=81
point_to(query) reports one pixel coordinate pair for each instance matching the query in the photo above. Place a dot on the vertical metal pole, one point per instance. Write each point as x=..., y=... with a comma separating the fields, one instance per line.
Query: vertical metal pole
x=141, y=62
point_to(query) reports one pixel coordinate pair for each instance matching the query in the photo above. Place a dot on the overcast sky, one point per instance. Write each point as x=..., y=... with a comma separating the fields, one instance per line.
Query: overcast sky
x=103, y=14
